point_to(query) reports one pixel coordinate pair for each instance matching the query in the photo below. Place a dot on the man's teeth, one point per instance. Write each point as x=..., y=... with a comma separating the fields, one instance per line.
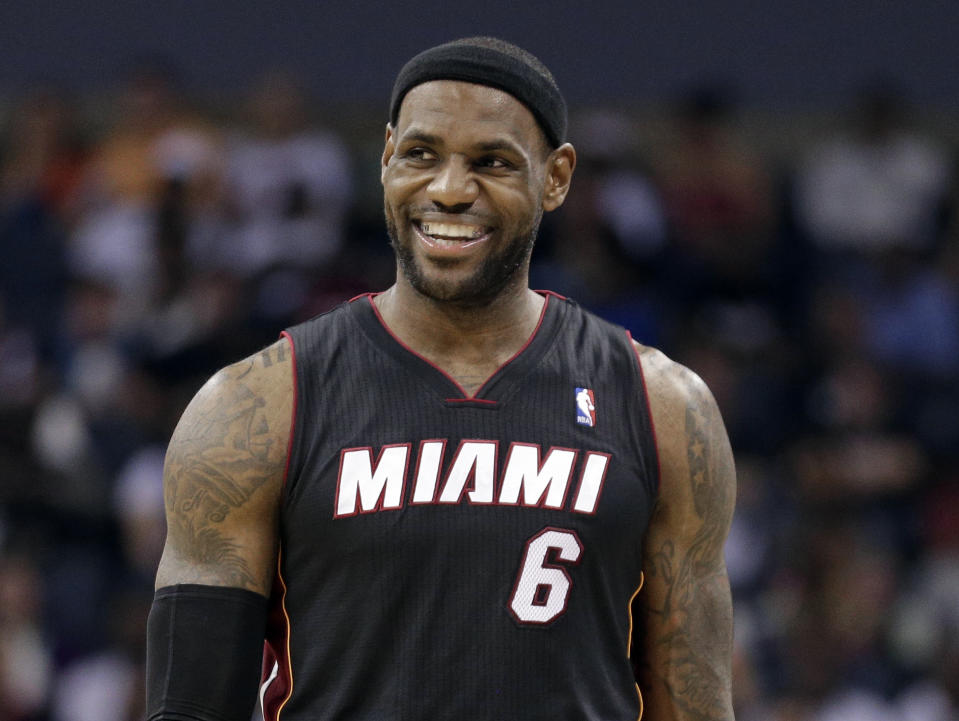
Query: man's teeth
x=452, y=230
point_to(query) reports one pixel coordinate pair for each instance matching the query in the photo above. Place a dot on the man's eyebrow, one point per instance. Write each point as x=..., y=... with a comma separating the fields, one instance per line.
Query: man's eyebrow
x=420, y=136
x=491, y=146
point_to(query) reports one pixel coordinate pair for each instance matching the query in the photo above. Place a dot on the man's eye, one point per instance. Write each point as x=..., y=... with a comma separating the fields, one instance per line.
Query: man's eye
x=493, y=163
x=419, y=154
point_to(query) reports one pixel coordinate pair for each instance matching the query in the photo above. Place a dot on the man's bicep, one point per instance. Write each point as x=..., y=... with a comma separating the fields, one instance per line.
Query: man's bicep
x=223, y=475
x=685, y=607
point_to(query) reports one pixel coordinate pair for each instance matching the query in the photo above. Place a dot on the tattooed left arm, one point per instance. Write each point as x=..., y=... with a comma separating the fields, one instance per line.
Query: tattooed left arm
x=684, y=624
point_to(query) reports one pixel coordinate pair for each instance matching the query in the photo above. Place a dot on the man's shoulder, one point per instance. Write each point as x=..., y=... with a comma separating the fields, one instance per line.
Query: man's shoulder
x=670, y=384
x=260, y=373
x=250, y=401
x=689, y=428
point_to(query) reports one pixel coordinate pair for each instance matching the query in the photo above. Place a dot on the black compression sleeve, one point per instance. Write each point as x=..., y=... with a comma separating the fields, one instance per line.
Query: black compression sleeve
x=204, y=649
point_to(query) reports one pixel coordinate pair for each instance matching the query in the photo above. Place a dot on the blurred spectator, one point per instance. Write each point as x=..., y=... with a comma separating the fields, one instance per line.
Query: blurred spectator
x=109, y=685
x=741, y=352
x=139, y=506
x=878, y=185
x=43, y=162
x=26, y=663
x=912, y=318
x=858, y=451
x=157, y=170
x=718, y=197
x=289, y=185
x=19, y=366
x=603, y=246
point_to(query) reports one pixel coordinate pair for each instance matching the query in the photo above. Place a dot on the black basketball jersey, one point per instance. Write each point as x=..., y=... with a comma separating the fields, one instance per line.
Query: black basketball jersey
x=446, y=556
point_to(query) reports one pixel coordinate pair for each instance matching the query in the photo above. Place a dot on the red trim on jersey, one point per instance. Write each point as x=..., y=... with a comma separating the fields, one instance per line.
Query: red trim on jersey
x=277, y=691
x=471, y=400
x=649, y=411
x=289, y=443
x=547, y=293
x=466, y=396
x=542, y=315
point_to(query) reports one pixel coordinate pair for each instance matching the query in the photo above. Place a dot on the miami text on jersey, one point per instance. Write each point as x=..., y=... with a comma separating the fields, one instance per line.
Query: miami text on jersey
x=528, y=478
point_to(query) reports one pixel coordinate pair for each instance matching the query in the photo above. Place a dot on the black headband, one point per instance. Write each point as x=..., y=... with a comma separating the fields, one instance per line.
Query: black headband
x=483, y=64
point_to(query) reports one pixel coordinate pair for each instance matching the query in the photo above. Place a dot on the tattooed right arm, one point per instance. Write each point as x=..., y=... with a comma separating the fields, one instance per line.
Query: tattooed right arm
x=223, y=476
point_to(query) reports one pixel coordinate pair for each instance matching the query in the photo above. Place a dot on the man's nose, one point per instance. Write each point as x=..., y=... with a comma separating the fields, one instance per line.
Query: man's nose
x=453, y=184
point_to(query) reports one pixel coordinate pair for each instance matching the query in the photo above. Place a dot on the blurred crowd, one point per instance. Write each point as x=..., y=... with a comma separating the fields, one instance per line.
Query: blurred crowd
x=814, y=285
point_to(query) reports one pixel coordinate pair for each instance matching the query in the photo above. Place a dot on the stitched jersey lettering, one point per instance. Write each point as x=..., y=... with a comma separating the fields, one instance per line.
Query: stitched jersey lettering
x=528, y=477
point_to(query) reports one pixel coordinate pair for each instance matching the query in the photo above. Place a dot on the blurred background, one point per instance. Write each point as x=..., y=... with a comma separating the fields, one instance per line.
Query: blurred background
x=768, y=193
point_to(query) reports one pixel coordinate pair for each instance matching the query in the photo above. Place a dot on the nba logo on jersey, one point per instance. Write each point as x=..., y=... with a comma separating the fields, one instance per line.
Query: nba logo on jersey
x=585, y=407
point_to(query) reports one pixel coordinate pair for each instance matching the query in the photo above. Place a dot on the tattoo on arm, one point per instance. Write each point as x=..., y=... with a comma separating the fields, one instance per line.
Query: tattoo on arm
x=273, y=354
x=219, y=457
x=693, y=626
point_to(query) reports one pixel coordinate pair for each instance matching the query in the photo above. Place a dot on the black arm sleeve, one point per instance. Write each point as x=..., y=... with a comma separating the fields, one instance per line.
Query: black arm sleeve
x=204, y=651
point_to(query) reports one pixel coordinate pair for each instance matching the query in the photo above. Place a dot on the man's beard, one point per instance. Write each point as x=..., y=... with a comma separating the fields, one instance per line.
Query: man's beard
x=494, y=274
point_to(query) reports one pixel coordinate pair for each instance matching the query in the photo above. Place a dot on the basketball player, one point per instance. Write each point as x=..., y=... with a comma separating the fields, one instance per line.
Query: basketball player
x=458, y=498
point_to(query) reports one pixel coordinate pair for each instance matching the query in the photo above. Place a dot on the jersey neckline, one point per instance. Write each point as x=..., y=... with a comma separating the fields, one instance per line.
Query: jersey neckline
x=494, y=389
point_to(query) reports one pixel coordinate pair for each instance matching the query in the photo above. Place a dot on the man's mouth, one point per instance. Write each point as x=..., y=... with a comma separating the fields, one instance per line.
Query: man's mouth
x=447, y=235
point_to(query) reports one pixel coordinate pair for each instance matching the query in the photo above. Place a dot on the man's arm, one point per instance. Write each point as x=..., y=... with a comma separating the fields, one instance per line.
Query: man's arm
x=223, y=480
x=223, y=476
x=684, y=625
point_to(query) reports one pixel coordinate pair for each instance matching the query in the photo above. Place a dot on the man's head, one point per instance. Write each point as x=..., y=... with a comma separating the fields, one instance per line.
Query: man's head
x=475, y=152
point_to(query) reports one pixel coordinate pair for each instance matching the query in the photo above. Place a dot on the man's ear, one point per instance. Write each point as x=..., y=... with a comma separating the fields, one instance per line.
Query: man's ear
x=559, y=174
x=388, y=149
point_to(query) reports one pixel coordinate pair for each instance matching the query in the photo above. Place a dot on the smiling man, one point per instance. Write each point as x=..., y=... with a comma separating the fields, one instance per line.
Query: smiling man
x=459, y=497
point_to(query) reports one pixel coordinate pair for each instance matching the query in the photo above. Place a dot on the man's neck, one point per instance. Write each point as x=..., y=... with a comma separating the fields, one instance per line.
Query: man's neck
x=468, y=343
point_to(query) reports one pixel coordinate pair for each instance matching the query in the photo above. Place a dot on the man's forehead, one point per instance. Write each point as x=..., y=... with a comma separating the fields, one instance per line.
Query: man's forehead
x=459, y=101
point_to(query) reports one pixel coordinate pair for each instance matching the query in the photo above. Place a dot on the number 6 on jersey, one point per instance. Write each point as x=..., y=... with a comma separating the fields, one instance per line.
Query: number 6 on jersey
x=542, y=587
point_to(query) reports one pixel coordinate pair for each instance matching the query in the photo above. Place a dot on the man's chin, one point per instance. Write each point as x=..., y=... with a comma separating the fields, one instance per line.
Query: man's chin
x=466, y=292
x=453, y=281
